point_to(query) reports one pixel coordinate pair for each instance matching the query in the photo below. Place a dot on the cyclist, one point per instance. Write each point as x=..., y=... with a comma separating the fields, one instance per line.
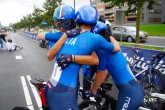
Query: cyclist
x=64, y=20
x=89, y=71
x=131, y=94
x=63, y=84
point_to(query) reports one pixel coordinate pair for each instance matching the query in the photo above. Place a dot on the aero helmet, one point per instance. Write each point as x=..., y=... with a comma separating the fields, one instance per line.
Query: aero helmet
x=99, y=27
x=64, y=16
x=87, y=14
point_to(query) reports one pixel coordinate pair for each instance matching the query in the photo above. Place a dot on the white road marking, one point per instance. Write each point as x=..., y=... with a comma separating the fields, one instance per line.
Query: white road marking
x=35, y=93
x=18, y=57
x=27, y=94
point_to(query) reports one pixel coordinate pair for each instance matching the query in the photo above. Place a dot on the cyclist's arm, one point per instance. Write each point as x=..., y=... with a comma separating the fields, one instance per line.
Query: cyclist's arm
x=115, y=43
x=87, y=60
x=107, y=46
x=41, y=36
x=56, y=48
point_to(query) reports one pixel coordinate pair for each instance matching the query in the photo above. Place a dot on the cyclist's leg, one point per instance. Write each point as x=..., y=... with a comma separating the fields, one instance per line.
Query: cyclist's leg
x=86, y=73
x=131, y=96
x=89, y=72
x=58, y=100
x=93, y=70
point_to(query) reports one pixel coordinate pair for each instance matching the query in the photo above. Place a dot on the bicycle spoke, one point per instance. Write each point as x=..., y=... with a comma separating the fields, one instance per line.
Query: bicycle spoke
x=157, y=89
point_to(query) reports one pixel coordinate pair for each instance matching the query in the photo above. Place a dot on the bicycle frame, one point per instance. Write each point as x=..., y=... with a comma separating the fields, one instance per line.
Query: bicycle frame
x=150, y=65
x=40, y=85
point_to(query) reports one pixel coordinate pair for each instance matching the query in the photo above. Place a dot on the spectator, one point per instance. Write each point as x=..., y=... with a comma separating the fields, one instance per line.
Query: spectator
x=11, y=46
x=2, y=37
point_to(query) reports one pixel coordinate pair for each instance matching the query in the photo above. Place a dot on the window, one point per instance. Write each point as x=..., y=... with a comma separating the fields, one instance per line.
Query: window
x=154, y=19
x=116, y=29
x=158, y=2
x=155, y=11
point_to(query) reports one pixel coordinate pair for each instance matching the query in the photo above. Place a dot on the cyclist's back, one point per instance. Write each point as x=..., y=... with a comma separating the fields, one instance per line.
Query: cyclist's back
x=115, y=62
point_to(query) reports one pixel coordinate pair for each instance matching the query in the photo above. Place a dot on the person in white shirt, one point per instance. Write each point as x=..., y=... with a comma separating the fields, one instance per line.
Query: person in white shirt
x=11, y=46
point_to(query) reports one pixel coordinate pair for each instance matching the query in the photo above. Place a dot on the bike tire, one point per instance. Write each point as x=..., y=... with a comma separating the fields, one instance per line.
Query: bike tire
x=157, y=82
x=89, y=105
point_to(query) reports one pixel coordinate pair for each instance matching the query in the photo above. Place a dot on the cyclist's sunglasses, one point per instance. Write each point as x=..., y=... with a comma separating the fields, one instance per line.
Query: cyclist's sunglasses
x=66, y=24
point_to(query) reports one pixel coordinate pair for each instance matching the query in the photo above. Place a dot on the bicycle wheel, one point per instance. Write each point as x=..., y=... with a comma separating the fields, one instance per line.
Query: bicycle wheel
x=89, y=105
x=156, y=82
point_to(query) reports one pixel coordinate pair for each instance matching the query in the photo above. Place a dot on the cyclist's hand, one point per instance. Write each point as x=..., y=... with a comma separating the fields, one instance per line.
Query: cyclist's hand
x=64, y=60
x=88, y=93
x=73, y=32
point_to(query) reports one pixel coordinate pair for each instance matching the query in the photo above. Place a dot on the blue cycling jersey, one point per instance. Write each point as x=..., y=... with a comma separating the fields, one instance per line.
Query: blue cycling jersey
x=83, y=44
x=53, y=37
x=116, y=64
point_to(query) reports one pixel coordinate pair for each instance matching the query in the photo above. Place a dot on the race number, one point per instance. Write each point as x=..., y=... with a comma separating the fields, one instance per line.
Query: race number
x=56, y=72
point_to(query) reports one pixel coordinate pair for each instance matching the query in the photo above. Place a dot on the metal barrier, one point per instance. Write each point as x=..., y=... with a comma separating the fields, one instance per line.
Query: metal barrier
x=145, y=55
x=31, y=35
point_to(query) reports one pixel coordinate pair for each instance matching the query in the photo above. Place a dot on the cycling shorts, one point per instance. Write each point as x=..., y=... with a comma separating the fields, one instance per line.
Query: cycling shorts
x=131, y=96
x=61, y=100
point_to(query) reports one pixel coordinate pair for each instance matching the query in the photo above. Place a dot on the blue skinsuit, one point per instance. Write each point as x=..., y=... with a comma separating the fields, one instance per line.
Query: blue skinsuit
x=63, y=83
x=53, y=38
x=131, y=93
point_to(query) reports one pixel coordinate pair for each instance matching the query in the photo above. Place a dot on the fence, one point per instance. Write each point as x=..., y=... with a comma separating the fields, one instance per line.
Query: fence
x=145, y=55
x=31, y=35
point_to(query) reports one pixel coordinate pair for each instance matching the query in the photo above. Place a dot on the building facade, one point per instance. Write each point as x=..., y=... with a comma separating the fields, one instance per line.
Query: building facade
x=156, y=15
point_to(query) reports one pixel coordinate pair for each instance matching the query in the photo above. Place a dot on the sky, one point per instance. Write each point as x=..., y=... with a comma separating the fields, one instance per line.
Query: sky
x=11, y=11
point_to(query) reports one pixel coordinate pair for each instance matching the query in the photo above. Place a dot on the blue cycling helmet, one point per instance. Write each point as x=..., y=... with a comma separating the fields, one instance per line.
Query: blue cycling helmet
x=87, y=14
x=64, y=16
x=102, y=29
x=98, y=27
x=64, y=12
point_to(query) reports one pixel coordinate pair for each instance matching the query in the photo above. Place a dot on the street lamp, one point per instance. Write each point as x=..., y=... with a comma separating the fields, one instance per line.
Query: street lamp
x=74, y=5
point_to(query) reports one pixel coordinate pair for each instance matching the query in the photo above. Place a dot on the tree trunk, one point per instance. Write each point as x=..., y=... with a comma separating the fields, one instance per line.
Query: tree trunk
x=138, y=21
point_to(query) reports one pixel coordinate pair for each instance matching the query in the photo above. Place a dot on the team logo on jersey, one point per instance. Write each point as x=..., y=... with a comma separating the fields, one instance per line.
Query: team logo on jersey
x=71, y=41
x=95, y=30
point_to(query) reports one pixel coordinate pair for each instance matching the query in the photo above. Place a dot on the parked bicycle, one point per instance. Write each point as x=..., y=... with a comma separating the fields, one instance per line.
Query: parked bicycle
x=151, y=79
x=104, y=101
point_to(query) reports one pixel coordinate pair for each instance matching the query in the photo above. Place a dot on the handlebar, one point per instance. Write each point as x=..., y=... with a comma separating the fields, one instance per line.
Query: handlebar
x=157, y=58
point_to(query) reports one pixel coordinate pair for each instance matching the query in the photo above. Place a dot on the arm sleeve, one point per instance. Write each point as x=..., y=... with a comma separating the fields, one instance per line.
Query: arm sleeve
x=53, y=37
x=104, y=44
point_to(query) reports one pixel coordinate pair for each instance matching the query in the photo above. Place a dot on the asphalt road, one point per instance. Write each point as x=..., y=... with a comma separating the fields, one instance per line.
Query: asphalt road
x=14, y=70
x=155, y=40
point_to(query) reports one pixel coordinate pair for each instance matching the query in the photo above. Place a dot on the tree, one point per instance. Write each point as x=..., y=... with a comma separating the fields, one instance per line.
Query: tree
x=49, y=7
x=134, y=6
x=39, y=15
